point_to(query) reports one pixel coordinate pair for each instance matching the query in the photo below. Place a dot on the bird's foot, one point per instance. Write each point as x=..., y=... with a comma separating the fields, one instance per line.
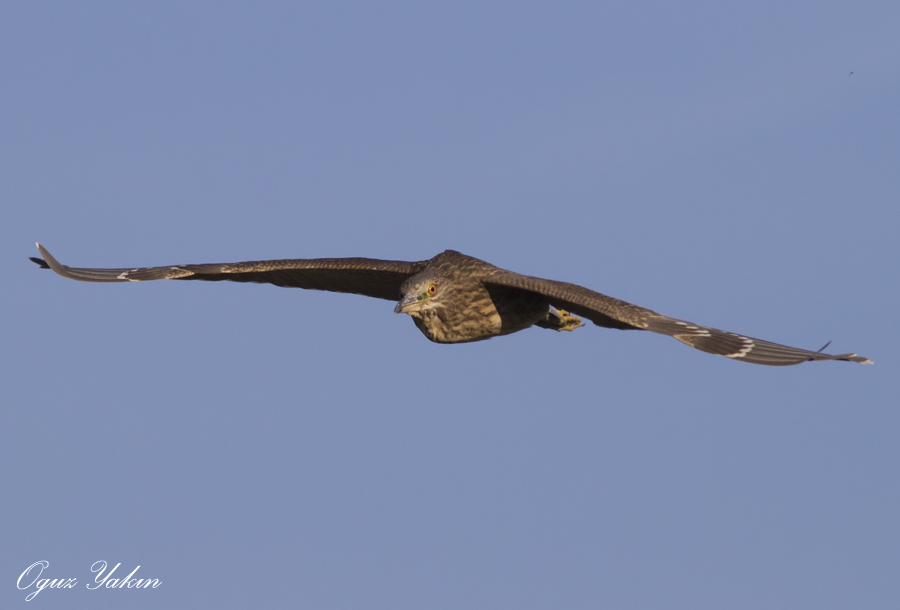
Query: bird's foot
x=560, y=320
x=567, y=321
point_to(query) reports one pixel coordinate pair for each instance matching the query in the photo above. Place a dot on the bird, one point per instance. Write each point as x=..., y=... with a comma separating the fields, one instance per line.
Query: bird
x=455, y=298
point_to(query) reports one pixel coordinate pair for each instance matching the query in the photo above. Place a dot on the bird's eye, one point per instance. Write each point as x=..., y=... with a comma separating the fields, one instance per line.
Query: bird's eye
x=431, y=289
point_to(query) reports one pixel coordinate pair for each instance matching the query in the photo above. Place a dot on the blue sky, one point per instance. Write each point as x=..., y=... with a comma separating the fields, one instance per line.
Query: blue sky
x=256, y=446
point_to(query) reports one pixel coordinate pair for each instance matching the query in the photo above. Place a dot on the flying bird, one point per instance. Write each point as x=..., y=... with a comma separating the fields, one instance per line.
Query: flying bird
x=454, y=298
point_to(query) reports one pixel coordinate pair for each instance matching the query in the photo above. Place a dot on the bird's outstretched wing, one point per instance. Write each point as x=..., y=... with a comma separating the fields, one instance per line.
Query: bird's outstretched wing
x=370, y=277
x=613, y=313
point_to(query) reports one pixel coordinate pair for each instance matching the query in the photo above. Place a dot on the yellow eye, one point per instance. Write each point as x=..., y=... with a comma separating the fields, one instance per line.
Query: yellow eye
x=431, y=289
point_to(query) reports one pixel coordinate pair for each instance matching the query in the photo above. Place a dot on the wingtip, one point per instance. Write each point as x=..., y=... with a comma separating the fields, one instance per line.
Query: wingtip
x=48, y=261
x=39, y=261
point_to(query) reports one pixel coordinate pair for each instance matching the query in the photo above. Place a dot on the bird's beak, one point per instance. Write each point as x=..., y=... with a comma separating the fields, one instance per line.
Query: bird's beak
x=407, y=303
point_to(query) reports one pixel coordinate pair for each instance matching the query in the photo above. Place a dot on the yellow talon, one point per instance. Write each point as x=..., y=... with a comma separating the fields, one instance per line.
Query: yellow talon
x=568, y=322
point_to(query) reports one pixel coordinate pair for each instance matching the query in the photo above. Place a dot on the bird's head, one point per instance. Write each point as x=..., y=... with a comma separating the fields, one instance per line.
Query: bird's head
x=421, y=293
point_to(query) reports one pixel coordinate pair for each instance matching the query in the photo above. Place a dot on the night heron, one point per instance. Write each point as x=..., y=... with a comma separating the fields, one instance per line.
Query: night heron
x=454, y=298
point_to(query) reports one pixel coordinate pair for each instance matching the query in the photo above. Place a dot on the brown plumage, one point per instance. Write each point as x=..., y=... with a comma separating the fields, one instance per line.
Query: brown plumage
x=454, y=298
